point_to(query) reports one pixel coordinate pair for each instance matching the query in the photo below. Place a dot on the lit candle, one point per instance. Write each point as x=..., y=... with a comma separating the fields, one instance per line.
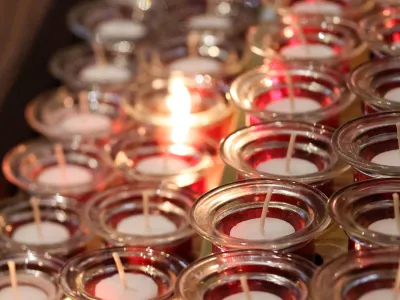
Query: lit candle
x=120, y=29
x=380, y=294
x=136, y=225
x=210, y=21
x=255, y=295
x=71, y=175
x=309, y=51
x=393, y=94
x=106, y=73
x=138, y=287
x=317, y=7
x=51, y=233
x=84, y=123
x=195, y=64
x=300, y=105
x=161, y=165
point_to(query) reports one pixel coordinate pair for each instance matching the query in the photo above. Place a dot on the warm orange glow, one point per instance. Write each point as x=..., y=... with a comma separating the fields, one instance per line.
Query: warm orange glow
x=179, y=102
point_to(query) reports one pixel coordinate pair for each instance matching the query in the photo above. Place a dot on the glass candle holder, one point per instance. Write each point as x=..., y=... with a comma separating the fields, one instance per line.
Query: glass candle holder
x=117, y=28
x=319, y=93
x=349, y=9
x=357, y=275
x=117, y=216
x=37, y=276
x=58, y=116
x=369, y=144
x=62, y=231
x=259, y=151
x=201, y=107
x=218, y=276
x=376, y=84
x=150, y=274
x=229, y=216
x=331, y=41
x=33, y=167
x=155, y=157
x=212, y=54
x=76, y=67
x=380, y=31
x=365, y=210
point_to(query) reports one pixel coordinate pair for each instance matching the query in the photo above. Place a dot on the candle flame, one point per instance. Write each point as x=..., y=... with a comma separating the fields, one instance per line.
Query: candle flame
x=179, y=103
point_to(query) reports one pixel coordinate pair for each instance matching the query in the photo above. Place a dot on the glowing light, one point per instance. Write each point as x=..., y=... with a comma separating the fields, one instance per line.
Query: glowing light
x=179, y=103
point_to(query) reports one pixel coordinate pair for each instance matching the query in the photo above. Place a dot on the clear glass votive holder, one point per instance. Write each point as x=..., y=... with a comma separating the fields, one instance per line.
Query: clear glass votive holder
x=75, y=67
x=218, y=276
x=216, y=213
x=106, y=211
x=39, y=272
x=207, y=112
x=380, y=31
x=88, y=169
x=156, y=157
x=58, y=115
x=362, y=142
x=357, y=208
x=84, y=272
x=333, y=41
x=376, y=84
x=353, y=275
x=248, y=148
x=320, y=93
x=56, y=210
x=119, y=29
x=349, y=9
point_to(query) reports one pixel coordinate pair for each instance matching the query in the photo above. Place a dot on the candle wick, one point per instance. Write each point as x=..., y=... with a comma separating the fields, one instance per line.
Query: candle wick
x=99, y=54
x=398, y=134
x=396, y=211
x=83, y=102
x=245, y=287
x=396, y=286
x=291, y=91
x=13, y=279
x=60, y=156
x=36, y=215
x=120, y=269
x=301, y=35
x=146, y=214
x=192, y=42
x=289, y=152
x=265, y=210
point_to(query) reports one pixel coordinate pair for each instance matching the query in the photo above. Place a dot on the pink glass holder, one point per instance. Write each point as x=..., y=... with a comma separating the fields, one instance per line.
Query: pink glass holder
x=217, y=211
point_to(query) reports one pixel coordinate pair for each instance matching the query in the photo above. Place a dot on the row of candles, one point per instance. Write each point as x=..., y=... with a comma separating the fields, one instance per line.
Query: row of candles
x=168, y=147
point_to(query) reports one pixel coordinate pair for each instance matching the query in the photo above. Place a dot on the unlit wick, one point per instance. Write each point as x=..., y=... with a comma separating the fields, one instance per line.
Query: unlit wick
x=265, y=210
x=291, y=91
x=36, y=215
x=245, y=287
x=58, y=149
x=290, y=150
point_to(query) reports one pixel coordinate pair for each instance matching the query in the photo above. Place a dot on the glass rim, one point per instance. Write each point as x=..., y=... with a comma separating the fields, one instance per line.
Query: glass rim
x=100, y=228
x=298, y=237
x=226, y=148
x=239, y=91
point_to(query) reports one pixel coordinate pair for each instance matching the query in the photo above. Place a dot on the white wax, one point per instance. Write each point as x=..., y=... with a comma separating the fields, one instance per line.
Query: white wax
x=254, y=295
x=120, y=29
x=385, y=226
x=85, y=123
x=74, y=175
x=310, y=51
x=25, y=292
x=104, y=74
x=139, y=287
x=161, y=165
x=301, y=105
x=135, y=225
x=317, y=7
x=273, y=229
x=277, y=166
x=210, y=21
x=200, y=65
x=388, y=158
x=393, y=95
x=52, y=232
x=379, y=294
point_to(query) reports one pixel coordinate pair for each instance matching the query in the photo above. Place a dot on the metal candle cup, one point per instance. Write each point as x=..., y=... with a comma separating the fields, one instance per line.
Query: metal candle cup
x=106, y=210
x=82, y=273
x=255, y=89
x=246, y=148
x=359, y=141
x=55, y=209
x=215, y=213
x=217, y=276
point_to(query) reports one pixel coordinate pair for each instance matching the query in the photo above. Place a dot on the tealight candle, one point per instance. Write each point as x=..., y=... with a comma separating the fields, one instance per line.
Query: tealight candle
x=51, y=233
x=24, y=292
x=388, y=158
x=273, y=229
x=393, y=94
x=161, y=165
x=255, y=295
x=120, y=29
x=385, y=226
x=136, y=225
x=69, y=176
x=317, y=7
x=300, y=105
x=380, y=294
x=85, y=123
x=210, y=21
x=277, y=166
x=191, y=65
x=138, y=286
x=309, y=51
x=104, y=74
